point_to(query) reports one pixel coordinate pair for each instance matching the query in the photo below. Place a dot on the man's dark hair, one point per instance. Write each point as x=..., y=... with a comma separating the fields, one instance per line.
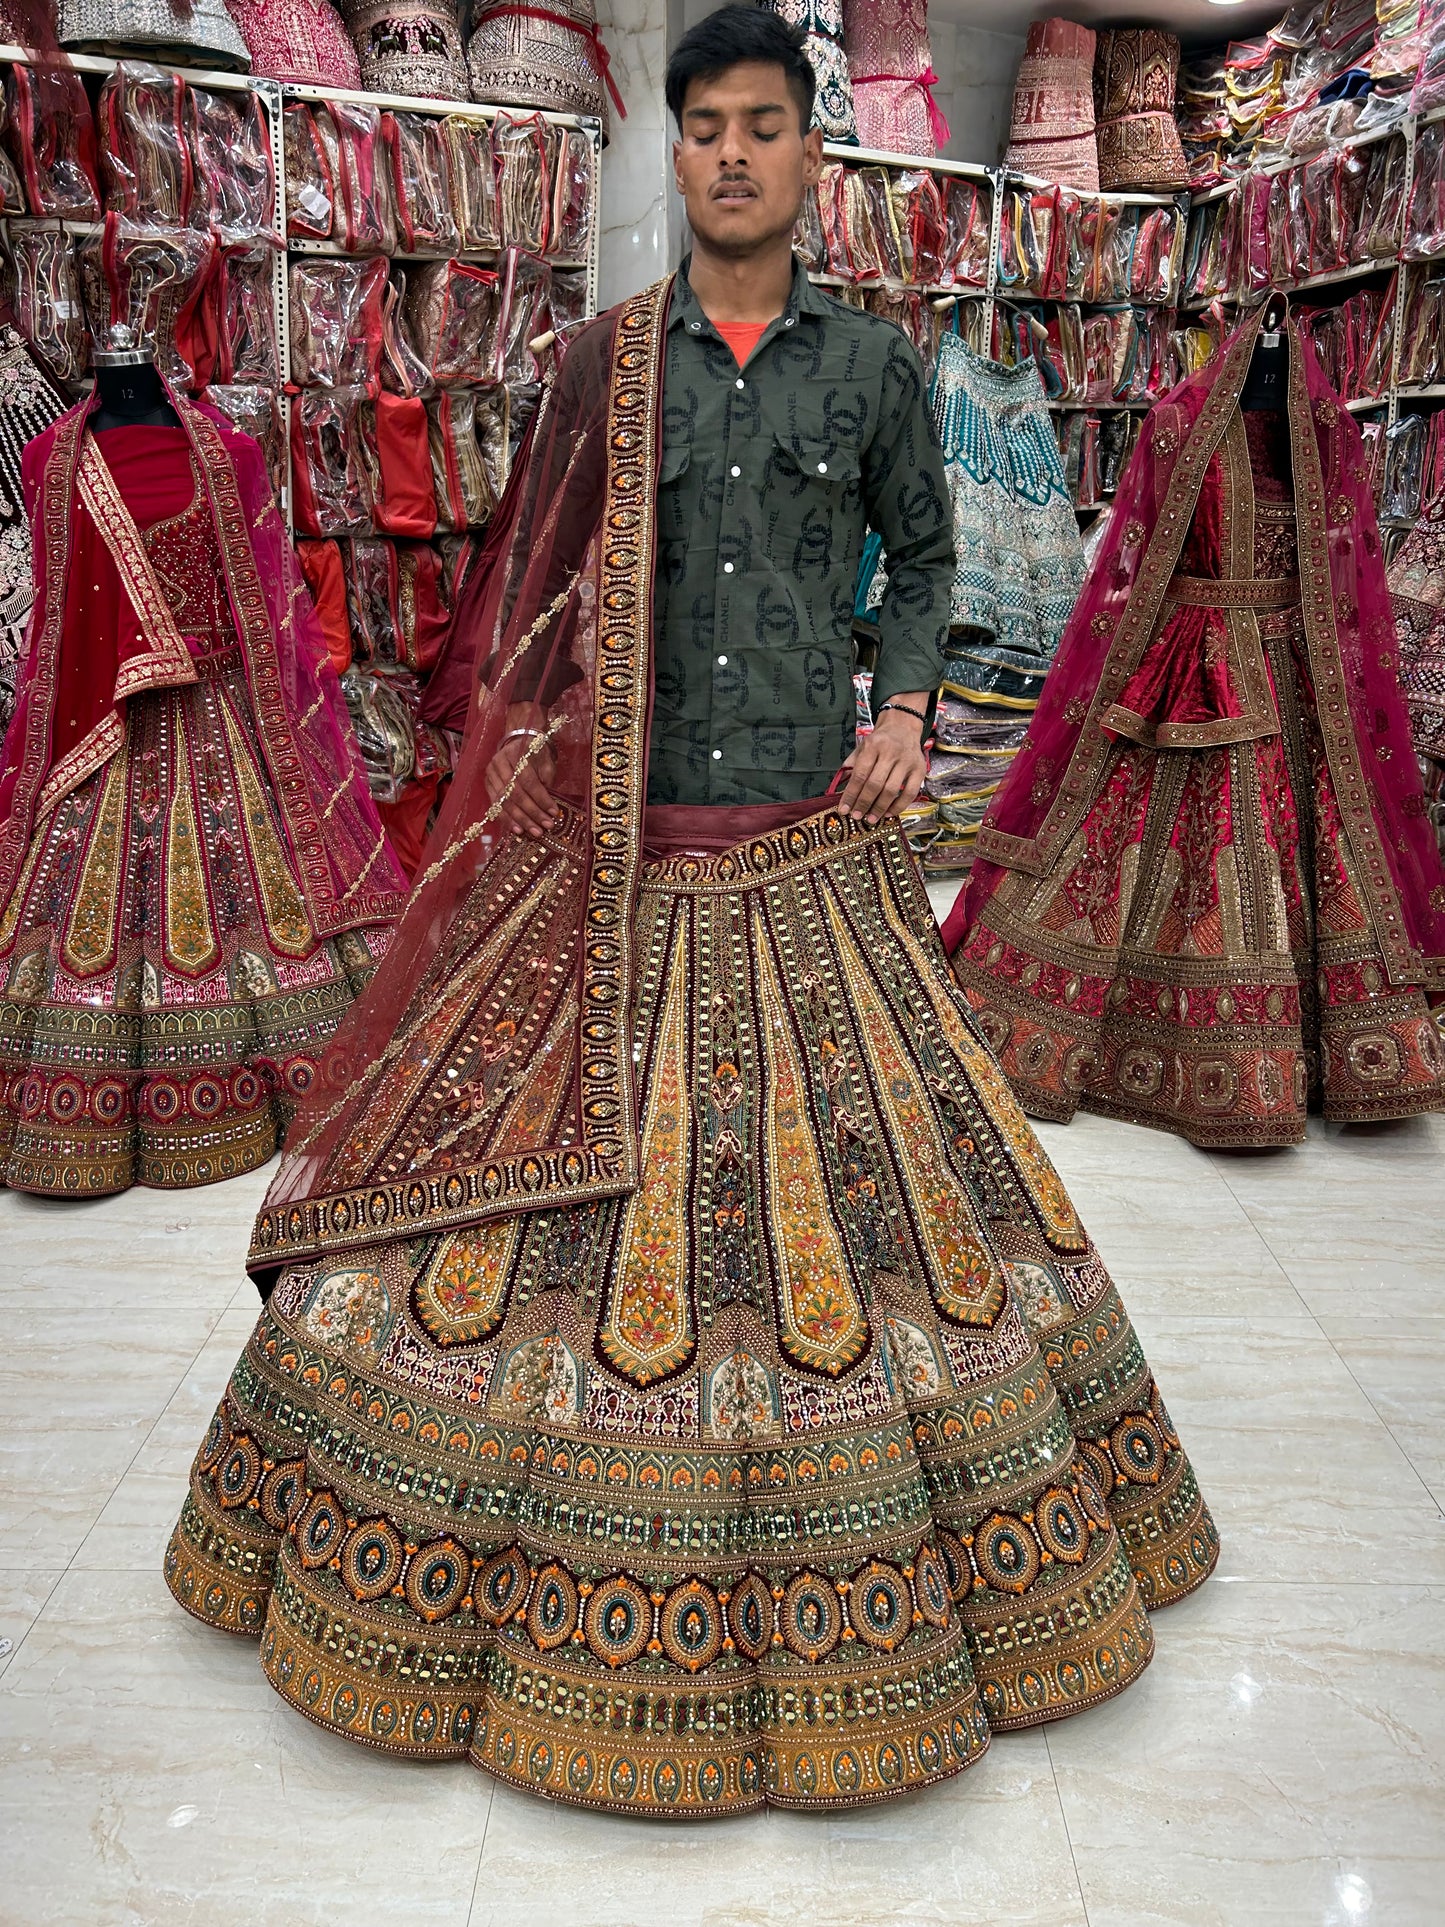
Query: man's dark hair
x=729, y=37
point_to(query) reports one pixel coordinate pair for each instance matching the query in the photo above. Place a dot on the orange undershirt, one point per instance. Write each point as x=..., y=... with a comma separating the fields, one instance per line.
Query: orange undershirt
x=742, y=337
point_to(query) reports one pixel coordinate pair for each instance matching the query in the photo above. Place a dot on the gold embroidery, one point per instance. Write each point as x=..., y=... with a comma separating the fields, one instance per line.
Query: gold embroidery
x=190, y=941
x=821, y=1322
x=648, y=1331
x=90, y=937
x=966, y=1283
x=281, y=903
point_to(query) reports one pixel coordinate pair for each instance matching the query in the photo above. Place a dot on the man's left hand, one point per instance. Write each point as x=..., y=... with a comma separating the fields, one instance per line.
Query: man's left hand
x=888, y=766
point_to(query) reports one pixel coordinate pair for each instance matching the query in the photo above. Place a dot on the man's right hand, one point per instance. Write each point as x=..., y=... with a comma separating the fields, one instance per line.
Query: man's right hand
x=521, y=771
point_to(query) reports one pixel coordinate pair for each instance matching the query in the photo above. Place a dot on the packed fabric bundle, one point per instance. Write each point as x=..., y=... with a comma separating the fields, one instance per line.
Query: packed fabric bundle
x=891, y=68
x=1051, y=135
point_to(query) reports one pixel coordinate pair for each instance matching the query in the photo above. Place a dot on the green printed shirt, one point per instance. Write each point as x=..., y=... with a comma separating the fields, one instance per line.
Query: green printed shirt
x=771, y=476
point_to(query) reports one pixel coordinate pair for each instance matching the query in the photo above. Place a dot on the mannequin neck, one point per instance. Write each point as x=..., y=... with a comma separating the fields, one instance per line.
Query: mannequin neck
x=133, y=397
x=1266, y=385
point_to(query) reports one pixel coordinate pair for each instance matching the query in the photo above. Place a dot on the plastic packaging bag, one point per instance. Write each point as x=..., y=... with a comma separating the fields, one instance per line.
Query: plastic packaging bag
x=474, y=183
x=524, y=187
x=421, y=183
x=462, y=476
x=367, y=220
x=452, y=312
x=45, y=279
x=336, y=321
x=257, y=413
x=145, y=156
x=526, y=313
x=571, y=223
x=51, y=134
x=235, y=189
x=310, y=173
x=331, y=491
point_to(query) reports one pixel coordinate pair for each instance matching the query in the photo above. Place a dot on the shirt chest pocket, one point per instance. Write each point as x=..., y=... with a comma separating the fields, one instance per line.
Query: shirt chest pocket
x=814, y=467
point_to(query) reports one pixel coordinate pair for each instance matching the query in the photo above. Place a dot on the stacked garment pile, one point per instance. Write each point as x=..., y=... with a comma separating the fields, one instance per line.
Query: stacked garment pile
x=1020, y=564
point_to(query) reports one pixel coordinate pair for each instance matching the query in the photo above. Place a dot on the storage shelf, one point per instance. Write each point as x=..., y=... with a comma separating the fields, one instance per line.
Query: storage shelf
x=425, y=104
x=963, y=291
x=333, y=250
x=922, y=163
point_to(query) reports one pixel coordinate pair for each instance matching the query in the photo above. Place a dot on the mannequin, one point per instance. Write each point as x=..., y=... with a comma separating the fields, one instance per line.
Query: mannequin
x=1265, y=385
x=132, y=394
x=178, y=734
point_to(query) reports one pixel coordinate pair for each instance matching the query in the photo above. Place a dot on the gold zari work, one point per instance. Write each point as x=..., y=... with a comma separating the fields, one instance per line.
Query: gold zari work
x=784, y=1479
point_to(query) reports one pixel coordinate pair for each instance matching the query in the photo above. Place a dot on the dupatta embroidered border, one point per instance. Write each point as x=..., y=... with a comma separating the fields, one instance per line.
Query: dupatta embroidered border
x=251, y=613
x=1342, y=751
x=164, y=664
x=605, y=1162
x=1094, y=751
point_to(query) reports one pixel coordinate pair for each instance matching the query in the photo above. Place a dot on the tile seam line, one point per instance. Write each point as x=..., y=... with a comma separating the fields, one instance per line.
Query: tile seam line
x=1068, y=1836
x=130, y=1466
x=481, y=1856
x=19, y=1646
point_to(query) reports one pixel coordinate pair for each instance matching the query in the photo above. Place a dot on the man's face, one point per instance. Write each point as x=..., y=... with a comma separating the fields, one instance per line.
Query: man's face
x=744, y=162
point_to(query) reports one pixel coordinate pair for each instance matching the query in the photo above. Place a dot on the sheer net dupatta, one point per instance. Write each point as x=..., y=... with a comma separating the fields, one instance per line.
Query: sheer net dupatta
x=487, y=1070
x=1352, y=657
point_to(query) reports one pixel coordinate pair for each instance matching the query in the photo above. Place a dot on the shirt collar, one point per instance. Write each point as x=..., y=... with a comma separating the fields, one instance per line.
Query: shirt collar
x=803, y=300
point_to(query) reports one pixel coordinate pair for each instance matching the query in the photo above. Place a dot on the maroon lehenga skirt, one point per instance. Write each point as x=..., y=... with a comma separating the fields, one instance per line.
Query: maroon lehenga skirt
x=1201, y=958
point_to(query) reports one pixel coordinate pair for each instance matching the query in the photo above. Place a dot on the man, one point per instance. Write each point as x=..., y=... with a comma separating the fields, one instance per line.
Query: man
x=685, y=1385
x=791, y=424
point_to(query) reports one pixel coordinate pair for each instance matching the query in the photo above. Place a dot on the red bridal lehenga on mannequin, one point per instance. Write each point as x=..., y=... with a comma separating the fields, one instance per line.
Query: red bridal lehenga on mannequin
x=685, y=1385
x=1208, y=896
x=194, y=882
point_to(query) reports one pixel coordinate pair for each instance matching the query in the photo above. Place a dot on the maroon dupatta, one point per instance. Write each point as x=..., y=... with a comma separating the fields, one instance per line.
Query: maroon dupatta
x=523, y=941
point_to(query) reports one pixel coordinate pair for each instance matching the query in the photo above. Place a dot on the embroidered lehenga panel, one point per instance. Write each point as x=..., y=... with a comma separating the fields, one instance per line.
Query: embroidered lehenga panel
x=165, y=994
x=792, y=1437
x=1212, y=947
x=785, y=1478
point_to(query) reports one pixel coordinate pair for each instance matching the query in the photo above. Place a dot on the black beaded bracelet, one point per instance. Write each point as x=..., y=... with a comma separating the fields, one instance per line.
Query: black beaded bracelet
x=917, y=714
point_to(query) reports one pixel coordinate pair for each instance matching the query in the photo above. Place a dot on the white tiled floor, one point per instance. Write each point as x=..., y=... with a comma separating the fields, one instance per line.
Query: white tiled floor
x=1283, y=1761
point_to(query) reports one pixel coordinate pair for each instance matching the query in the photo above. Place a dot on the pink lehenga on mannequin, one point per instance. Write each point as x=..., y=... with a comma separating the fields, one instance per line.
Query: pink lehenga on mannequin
x=194, y=882
x=1208, y=896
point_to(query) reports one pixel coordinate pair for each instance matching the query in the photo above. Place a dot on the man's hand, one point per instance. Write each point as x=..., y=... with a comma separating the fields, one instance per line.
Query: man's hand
x=888, y=767
x=528, y=769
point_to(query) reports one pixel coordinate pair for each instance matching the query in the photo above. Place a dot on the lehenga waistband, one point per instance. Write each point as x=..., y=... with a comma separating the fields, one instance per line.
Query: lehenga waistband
x=217, y=662
x=1234, y=592
x=725, y=848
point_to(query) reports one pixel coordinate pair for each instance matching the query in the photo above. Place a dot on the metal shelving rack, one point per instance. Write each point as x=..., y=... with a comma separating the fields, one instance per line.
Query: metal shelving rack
x=997, y=179
x=1406, y=129
x=273, y=96
x=992, y=294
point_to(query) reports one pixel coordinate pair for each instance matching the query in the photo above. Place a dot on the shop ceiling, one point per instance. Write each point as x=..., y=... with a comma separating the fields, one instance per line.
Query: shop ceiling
x=1195, y=21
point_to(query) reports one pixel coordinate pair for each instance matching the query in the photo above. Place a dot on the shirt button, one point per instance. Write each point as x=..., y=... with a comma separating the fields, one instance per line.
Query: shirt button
x=789, y=322
x=741, y=382
x=722, y=662
x=734, y=470
x=717, y=756
x=822, y=468
x=727, y=568
x=697, y=327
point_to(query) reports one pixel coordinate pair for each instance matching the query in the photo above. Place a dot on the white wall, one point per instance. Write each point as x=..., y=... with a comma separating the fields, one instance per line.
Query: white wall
x=641, y=216
x=976, y=74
